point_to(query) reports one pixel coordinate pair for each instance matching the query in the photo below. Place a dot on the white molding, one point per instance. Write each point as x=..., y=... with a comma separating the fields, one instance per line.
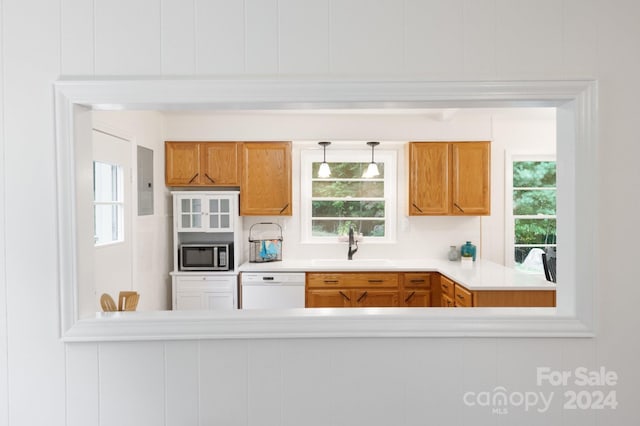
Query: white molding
x=576, y=102
x=326, y=323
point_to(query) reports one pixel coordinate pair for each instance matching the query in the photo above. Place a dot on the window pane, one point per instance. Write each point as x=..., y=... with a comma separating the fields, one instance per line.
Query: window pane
x=333, y=228
x=107, y=182
x=224, y=206
x=107, y=223
x=534, y=201
x=362, y=189
x=346, y=170
x=534, y=174
x=347, y=209
x=535, y=231
x=225, y=220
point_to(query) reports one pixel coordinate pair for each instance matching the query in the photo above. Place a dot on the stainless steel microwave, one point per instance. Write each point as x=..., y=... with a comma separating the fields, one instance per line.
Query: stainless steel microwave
x=205, y=257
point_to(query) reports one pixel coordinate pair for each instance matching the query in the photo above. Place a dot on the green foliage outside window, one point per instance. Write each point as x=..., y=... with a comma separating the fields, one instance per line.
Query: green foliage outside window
x=534, y=206
x=346, y=199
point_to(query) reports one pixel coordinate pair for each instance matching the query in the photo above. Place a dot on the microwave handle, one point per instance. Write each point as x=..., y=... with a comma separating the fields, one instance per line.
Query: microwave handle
x=215, y=257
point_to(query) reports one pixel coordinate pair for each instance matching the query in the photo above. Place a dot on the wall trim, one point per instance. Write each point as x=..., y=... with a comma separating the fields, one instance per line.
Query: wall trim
x=575, y=100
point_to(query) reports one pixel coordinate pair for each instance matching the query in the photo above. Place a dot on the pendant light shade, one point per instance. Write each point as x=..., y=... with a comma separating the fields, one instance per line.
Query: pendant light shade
x=324, y=171
x=372, y=170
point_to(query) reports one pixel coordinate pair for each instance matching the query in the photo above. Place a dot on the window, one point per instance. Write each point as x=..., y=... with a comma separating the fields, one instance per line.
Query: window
x=332, y=205
x=108, y=204
x=532, y=210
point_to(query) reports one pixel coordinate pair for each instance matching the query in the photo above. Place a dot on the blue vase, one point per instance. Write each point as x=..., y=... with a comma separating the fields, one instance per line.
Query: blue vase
x=468, y=249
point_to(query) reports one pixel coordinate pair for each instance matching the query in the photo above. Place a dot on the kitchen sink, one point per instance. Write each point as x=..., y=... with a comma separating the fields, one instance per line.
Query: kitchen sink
x=356, y=263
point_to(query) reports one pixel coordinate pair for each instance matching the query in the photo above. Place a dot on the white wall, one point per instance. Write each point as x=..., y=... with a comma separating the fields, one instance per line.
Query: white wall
x=152, y=233
x=318, y=381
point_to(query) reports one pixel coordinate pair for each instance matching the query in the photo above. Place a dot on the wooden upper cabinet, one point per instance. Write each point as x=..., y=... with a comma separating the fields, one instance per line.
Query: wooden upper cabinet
x=449, y=178
x=470, y=182
x=429, y=178
x=265, y=187
x=202, y=164
x=182, y=163
x=220, y=163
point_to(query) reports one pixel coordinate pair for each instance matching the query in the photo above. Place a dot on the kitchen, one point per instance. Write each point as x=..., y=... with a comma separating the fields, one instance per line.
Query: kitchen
x=529, y=130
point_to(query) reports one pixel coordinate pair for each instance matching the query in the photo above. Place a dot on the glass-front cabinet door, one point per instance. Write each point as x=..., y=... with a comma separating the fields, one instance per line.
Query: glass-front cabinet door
x=205, y=213
x=220, y=217
x=191, y=213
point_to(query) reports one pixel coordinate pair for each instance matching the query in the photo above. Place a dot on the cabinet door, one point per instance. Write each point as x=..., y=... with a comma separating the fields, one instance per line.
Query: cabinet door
x=266, y=179
x=415, y=298
x=190, y=214
x=215, y=301
x=375, y=298
x=471, y=184
x=219, y=217
x=189, y=301
x=463, y=297
x=447, y=286
x=429, y=178
x=446, y=301
x=328, y=298
x=219, y=164
x=210, y=292
x=182, y=163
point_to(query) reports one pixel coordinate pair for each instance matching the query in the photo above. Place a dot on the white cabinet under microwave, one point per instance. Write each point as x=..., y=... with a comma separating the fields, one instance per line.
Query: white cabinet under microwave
x=204, y=292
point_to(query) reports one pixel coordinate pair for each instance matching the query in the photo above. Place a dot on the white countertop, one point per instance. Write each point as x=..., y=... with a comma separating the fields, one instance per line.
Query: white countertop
x=483, y=275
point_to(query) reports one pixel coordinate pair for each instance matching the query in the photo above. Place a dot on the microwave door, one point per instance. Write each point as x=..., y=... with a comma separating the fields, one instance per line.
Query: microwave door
x=197, y=258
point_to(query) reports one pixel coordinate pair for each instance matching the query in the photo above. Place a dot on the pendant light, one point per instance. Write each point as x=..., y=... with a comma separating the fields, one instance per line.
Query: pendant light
x=324, y=171
x=372, y=169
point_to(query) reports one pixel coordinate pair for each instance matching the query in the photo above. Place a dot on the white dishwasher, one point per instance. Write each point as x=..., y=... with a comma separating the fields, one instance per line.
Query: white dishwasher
x=265, y=290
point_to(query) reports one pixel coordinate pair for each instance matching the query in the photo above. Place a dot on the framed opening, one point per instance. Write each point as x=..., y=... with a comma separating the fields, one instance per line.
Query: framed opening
x=575, y=102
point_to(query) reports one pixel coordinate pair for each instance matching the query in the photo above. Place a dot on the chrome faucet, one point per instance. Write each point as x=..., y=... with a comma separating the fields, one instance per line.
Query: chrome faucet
x=352, y=242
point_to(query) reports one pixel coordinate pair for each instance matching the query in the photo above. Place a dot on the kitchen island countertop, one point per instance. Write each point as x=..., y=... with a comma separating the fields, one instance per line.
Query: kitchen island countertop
x=482, y=275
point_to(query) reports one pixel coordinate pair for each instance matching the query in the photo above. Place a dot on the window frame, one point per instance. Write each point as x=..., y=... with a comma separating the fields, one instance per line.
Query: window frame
x=509, y=242
x=390, y=160
x=577, y=147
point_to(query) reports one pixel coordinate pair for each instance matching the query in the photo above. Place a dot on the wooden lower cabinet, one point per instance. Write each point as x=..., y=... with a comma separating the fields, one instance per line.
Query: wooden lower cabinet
x=463, y=298
x=410, y=289
x=352, y=290
x=456, y=295
x=416, y=289
x=375, y=298
x=446, y=292
x=519, y=298
x=319, y=298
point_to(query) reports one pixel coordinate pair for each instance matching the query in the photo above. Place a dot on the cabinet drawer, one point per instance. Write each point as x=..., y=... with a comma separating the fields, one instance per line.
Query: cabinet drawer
x=205, y=283
x=417, y=280
x=371, y=280
x=447, y=286
x=463, y=298
x=352, y=280
x=322, y=280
